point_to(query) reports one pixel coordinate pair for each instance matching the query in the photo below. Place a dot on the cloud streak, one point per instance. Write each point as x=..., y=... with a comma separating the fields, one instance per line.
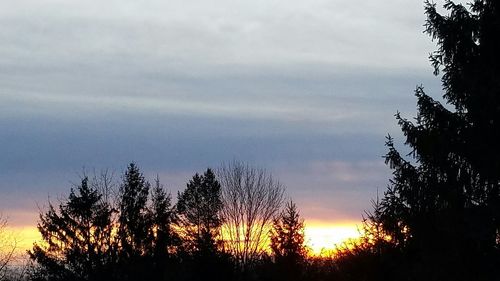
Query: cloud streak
x=305, y=89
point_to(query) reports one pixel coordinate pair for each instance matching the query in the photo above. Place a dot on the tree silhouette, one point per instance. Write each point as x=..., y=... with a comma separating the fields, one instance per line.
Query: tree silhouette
x=198, y=207
x=163, y=238
x=133, y=224
x=251, y=198
x=442, y=205
x=374, y=256
x=76, y=237
x=287, y=244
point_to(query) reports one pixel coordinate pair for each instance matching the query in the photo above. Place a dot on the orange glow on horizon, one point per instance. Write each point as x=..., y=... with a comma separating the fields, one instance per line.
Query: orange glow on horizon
x=322, y=237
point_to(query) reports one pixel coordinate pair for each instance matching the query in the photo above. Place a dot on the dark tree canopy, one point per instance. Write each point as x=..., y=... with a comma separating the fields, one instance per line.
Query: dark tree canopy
x=136, y=237
x=288, y=244
x=442, y=205
x=133, y=218
x=162, y=218
x=287, y=235
x=76, y=238
x=89, y=238
x=199, y=208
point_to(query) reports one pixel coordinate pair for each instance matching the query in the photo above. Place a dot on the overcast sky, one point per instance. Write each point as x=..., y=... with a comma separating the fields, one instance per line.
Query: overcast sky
x=305, y=89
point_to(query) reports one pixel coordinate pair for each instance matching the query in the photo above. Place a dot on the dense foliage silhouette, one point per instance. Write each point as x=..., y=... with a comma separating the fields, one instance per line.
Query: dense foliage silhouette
x=442, y=206
x=136, y=235
x=288, y=245
x=77, y=238
x=133, y=225
x=199, y=207
x=163, y=239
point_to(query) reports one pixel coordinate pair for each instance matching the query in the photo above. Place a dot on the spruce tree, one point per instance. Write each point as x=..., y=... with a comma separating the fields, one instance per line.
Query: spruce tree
x=133, y=224
x=442, y=206
x=287, y=235
x=76, y=238
x=287, y=244
x=199, y=208
x=163, y=239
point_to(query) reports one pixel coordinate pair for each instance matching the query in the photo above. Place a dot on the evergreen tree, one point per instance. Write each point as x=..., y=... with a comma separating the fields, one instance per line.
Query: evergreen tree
x=287, y=244
x=76, y=238
x=163, y=238
x=133, y=223
x=287, y=235
x=442, y=206
x=199, y=208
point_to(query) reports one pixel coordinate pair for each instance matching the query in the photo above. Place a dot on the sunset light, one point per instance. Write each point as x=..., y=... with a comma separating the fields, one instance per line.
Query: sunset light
x=320, y=236
x=24, y=237
x=324, y=236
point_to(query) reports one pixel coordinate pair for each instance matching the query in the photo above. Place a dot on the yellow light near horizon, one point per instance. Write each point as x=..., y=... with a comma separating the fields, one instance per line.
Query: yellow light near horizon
x=24, y=237
x=321, y=236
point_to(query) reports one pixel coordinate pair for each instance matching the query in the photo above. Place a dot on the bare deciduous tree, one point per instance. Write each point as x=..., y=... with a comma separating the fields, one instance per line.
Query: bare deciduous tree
x=251, y=199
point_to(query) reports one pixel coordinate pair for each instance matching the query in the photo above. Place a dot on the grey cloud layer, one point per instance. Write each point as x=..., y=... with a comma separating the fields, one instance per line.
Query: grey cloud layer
x=220, y=32
x=294, y=86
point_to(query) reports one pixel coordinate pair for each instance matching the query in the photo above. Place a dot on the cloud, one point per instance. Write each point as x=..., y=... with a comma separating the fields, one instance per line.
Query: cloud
x=179, y=33
x=335, y=190
x=305, y=88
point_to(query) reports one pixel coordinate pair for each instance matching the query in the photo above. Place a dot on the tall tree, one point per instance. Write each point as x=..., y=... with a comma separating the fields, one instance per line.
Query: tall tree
x=163, y=239
x=443, y=204
x=133, y=223
x=199, y=207
x=287, y=244
x=75, y=238
x=251, y=198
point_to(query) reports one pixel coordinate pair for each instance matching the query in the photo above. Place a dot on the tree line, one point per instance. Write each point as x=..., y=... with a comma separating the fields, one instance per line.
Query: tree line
x=136, y=232
x=438, y=219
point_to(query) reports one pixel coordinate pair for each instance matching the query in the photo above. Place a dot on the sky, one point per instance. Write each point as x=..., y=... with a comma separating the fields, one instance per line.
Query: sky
x=305, y=89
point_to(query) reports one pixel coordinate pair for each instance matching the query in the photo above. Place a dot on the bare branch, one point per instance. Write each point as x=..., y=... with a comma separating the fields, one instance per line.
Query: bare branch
x=251, y=198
